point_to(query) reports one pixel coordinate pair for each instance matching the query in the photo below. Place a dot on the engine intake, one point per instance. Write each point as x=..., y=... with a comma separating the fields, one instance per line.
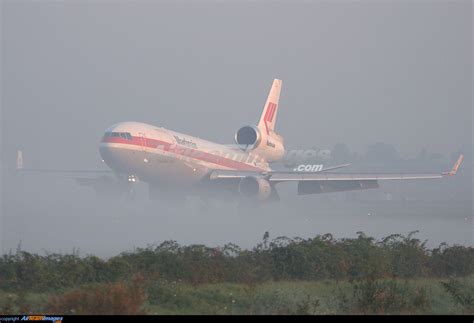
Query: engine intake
x=252, y=187
x=267, y=145
x=248, y=137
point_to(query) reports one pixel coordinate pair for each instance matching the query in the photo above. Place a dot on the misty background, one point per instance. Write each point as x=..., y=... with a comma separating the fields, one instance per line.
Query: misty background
x=354, y=74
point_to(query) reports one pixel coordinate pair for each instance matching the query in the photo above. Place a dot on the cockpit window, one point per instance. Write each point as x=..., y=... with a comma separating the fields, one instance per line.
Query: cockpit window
x=124, y=135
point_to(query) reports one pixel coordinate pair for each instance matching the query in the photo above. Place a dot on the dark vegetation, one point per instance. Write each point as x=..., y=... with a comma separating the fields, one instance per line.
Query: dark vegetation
x=361, y=275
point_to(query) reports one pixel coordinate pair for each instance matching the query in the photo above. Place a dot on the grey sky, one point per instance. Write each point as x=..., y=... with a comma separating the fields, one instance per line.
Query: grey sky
x=356, y=72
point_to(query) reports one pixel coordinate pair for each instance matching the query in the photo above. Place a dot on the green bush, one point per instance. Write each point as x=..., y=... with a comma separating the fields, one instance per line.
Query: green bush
x=463, y=295
x=283, y=258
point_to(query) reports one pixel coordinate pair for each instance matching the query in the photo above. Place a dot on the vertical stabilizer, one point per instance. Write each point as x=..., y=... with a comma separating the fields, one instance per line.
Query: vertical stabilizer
x=19, y=159
x=269, y=114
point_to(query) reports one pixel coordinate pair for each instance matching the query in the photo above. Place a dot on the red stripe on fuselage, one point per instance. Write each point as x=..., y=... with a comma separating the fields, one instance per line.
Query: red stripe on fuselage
x=184, y=151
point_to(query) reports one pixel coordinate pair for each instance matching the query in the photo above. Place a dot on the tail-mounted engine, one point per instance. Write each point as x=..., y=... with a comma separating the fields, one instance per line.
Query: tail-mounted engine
x=268, y=146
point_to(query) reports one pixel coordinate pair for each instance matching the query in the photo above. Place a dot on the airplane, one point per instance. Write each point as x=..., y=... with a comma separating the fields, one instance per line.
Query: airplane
x=175, y=164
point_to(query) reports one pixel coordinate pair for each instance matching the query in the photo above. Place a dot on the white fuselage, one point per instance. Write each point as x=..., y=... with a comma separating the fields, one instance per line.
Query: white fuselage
x=162, y=156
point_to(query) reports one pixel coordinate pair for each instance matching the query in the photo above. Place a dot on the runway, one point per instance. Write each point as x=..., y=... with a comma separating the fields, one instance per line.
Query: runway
x=46, y=221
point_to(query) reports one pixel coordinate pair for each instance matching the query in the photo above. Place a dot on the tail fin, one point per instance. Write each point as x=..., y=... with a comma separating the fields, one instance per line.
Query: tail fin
x=19, y=159
x=268, y=118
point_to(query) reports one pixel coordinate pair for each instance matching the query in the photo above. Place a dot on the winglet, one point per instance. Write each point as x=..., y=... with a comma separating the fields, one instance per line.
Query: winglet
x=456, y=166
x=19, y=159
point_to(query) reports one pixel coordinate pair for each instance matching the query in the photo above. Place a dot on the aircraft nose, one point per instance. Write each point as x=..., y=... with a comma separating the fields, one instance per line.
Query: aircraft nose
x=114, y=157
x=106, y=149
x=106, y=152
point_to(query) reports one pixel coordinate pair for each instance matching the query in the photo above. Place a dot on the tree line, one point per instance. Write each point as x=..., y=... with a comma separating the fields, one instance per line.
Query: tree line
x=318, y=258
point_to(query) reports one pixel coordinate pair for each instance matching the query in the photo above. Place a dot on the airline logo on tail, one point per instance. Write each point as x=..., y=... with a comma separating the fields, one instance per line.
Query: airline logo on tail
x=271, y=108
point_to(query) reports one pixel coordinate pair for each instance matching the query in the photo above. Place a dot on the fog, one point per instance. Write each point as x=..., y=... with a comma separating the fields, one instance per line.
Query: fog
x=356, y=72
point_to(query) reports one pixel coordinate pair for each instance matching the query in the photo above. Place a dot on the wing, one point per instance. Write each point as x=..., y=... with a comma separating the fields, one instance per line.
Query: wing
x=235, y=174
x=20, y=168
x=65, y=171
x=106, y=183
x=322, y=182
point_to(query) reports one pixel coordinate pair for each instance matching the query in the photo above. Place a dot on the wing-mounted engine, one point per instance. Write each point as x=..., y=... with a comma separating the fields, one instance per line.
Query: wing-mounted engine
x=268, y=146
x=255, y=188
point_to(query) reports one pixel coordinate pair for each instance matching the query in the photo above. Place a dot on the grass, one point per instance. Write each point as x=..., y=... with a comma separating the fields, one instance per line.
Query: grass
x=287, y=297
x=283, y=297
